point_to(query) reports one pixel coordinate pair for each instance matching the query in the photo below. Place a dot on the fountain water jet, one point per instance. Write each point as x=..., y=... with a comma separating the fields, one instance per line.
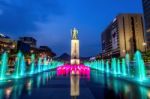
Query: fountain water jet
x=127, y=58
x=45, y=64
x=3, y=66
x=124, y=71
x=23, y=67
x=113, y=64
x=18, y=65
x=32, y=65
x=118, y=67
x=140, y=66
x=107, y=67
x=39, y=65
x=102, y=63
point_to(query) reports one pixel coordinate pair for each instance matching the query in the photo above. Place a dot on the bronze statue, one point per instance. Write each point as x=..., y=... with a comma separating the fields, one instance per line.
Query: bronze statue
x=74, y=33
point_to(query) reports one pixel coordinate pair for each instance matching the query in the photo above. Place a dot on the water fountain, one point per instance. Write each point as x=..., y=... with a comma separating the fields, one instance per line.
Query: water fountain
x=102, y=64
x=48, y=64
x=113, y=66
x=76, y=69
x=97, y=66
x=3, y=66
x=45, y=64
x=39, y=65
x=118, y=67
x=23, y=67
x=32, y=64
x=18, y=65
x=20, y=68
x=107, y=67
x=51, y=64
x=140, y=66
x=124, y=71
x=127, y=59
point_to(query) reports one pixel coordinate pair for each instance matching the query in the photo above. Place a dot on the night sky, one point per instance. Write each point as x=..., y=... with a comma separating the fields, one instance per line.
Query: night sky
x=50, y=21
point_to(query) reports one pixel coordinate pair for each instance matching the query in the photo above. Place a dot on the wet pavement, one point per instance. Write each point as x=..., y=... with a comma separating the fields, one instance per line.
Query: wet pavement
x=48, y=85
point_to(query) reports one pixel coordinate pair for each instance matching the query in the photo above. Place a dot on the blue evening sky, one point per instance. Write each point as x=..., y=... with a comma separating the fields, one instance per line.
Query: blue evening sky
x=50, y=21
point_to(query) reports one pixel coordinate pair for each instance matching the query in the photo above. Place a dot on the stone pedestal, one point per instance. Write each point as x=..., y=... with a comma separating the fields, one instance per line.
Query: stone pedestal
x=75, y=52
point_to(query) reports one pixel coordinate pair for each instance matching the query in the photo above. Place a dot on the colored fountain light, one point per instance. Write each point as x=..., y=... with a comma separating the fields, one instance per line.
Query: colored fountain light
x=139, y=62
x=102, y=64
x=32, y=64
x=107, y=67
x=118, y=67
x=20, y=66
x=128, y=63
x=3, y=66
x=73, y=69
x=23, y=67
x=39, y=65
x=124, y=71
x=21, y=70
x=114, y=66
x=125, y=68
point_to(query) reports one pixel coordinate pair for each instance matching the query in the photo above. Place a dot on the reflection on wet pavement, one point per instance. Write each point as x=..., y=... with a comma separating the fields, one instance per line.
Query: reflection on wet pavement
x=74, y=83
x=96, y=85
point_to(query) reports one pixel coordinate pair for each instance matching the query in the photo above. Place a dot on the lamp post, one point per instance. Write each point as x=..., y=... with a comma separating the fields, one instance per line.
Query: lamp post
x=124, y=52
x=145, y=46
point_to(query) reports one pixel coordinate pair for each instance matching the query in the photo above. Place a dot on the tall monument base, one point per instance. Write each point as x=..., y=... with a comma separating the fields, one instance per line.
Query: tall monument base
x=75, y=52
x=75, y=62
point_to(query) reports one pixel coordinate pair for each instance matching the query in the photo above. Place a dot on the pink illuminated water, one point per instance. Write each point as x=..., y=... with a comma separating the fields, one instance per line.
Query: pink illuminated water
x=73, y=69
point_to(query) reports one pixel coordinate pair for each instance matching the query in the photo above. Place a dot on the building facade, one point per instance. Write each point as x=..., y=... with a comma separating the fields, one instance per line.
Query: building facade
x=146, y=7
x=6, y=44
x=124, y=35
x=106, y=43
x=28, y=40
x=23, y=47
x=27, y=45
x=46, y=51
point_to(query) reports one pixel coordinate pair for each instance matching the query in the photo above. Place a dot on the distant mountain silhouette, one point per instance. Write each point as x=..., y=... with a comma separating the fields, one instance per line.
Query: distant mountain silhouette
x=64, y=57
x=67, y=57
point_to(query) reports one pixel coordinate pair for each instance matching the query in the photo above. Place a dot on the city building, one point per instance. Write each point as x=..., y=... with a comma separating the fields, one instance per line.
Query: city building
x=23, y=47
x=27, y=45
x=146, y=7
x=124, y=35
x=46, y=51
x=6, y=44
x=106, y=42
x=28, y=40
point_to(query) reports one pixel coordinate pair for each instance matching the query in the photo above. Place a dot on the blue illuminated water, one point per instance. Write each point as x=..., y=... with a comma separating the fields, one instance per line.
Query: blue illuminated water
x=48, y=85
x=3, y=66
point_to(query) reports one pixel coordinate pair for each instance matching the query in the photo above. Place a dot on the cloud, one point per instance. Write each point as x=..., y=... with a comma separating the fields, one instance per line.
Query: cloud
x=21, y=16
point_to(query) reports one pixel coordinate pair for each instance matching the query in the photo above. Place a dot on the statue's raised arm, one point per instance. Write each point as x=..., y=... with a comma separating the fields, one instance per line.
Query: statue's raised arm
x=74, y=33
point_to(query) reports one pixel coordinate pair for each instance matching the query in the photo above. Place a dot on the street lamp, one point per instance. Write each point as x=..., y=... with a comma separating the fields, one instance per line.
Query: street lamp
x=13, y=46
x=124, y=52
x=31, y=51
x=145, y=45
